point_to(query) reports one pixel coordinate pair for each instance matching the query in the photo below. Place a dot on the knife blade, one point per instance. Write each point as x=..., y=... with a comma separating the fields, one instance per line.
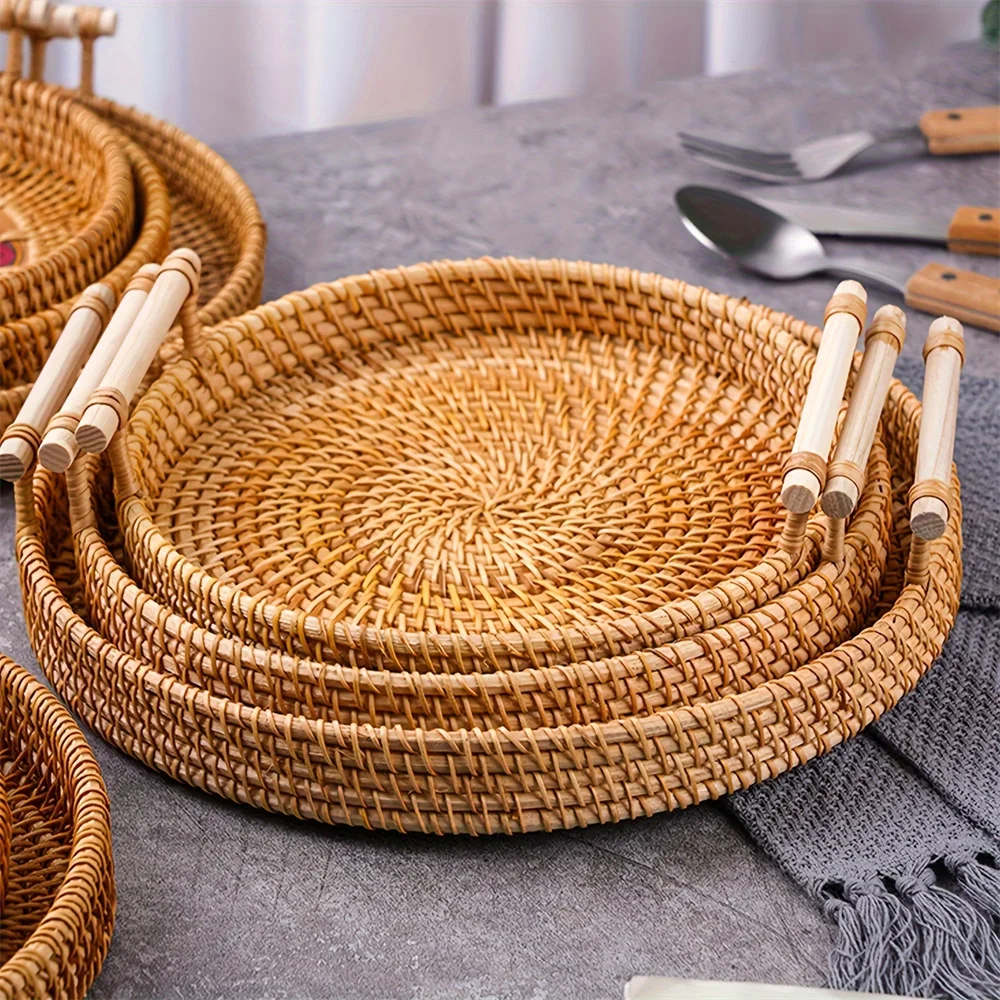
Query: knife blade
x=971, y=229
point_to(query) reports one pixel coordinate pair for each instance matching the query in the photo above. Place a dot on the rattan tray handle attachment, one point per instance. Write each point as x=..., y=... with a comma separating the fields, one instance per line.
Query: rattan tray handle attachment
x=805, y=469
x=20, y=441
x=174, y=293
x=846, y=473
x=930, y=496
x=59, y=448
x=68, y=21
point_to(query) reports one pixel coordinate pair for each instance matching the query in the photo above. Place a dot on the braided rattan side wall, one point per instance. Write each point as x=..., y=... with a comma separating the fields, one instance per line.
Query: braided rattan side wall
x=59, y=909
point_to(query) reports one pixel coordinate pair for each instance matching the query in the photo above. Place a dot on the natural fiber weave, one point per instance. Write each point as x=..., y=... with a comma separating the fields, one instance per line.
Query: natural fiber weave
x=499, y=779
x=66, y=187
x=59, y=907
x=467, y=466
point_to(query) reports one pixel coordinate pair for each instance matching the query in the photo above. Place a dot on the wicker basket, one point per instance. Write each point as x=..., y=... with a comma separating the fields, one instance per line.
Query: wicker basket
x=5, y=831
x=502, y=778
x=67, y=204
x=59, y=908
x=305, y=529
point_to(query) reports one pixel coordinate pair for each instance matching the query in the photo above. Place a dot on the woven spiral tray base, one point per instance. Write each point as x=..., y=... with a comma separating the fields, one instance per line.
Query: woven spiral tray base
x=59, y=908
x=498, y=779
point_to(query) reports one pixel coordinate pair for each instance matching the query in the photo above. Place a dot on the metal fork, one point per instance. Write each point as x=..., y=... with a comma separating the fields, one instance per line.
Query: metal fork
x=807, y=161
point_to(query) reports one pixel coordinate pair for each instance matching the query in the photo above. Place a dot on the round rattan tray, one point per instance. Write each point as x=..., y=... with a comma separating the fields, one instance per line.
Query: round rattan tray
x=58, y=912
x=502, y=778
x=67, y=203
x=467, y=467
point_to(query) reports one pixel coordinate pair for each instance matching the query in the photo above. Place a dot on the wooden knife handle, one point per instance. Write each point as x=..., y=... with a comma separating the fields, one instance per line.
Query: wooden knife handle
x=975, y=229
x=972, y=298
x=962, y=130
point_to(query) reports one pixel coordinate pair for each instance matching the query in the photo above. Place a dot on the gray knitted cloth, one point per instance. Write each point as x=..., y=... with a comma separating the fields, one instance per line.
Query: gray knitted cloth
x=897, y=834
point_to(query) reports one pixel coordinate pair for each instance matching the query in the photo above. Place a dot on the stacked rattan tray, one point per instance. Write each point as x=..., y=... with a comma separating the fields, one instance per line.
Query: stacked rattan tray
x=483, y=546
x=58, y=908
x=121, y=188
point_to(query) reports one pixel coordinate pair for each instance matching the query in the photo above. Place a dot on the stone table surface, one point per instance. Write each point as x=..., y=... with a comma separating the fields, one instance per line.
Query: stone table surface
x=216, y=900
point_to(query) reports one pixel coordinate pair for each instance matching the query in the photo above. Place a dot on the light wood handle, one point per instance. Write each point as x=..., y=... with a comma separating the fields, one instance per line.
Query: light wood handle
x=931, y=492
x=59, y=448
x=972, y=298
x=883, y=342
x=105, y=411
x=953, y=131
x=21, y=440
x=64, y=22
x=975, y=229
x=801, y=486
x=29, y=15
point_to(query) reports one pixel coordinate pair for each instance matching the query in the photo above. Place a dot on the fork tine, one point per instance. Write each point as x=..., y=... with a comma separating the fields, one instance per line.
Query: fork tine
x=712, y=146
x=777, y=166
x=760, y=174
x=783, y=168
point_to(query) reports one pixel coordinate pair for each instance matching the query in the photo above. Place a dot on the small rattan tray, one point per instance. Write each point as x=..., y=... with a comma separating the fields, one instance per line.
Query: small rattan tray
x=58, y=912
x=210, y=209
x=469, y=466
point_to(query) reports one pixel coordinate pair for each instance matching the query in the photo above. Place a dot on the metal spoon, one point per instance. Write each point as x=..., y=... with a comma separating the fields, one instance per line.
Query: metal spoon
x=762, y=241
x=767, y=243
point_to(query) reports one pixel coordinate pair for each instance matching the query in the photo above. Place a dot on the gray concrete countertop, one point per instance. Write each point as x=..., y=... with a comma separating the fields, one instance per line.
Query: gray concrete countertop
x=216, y=900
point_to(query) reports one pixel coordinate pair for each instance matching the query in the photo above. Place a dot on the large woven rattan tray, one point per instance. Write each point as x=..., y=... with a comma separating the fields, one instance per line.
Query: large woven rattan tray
x=59, y=907
x=708, y=734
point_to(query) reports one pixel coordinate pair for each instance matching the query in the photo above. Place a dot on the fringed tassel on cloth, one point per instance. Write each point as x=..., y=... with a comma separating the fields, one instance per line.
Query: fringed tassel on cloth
x=935, y=934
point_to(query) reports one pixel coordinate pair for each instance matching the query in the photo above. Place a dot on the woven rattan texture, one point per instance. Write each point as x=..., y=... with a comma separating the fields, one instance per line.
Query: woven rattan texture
x=59, y=907
x=489, y=780
x=67, y=184
x=214, y=212
x=466, y=465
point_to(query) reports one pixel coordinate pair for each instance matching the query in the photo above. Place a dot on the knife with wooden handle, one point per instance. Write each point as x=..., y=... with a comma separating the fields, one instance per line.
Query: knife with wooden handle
x=973, y=229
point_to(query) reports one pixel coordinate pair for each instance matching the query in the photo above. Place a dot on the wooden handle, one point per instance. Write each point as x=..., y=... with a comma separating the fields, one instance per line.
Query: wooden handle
x=19, y=443
x=29, y=15
x=954, y=131
x=883, y=342
x=64, y=22
x=59, y=448
x=972, y=298
x=975, y=229
x=805, y=473
x=105, y=412
x=931, y=492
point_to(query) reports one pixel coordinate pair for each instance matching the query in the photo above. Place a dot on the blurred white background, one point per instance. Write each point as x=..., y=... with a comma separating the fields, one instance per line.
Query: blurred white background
x=231, y=69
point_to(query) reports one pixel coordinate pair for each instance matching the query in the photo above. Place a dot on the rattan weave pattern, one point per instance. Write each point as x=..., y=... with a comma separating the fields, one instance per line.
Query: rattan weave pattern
x=499, y=779
x=58, y=912
x=66, y=184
